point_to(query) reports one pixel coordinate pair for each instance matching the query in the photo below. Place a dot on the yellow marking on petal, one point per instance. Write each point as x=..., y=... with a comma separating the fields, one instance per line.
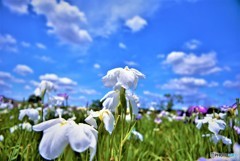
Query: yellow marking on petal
x=63, y=123
x=126, y=68
x=101, y=114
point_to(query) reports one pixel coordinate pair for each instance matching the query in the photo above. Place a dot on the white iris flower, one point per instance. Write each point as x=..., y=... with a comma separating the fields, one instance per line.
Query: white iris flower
x=104, y=115
x=58, y=133
x=126, y=78
x=214, y=125
x=112, y=99
x=33, y=114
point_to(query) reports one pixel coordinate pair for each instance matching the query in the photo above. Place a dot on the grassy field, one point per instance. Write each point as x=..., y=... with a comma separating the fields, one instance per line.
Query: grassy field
x=167, y=141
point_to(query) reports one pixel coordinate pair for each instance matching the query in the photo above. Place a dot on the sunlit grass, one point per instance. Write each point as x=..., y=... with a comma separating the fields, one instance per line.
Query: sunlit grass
x=168, y=141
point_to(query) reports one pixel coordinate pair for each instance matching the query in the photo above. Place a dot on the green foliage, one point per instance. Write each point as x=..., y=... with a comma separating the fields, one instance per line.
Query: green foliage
x=168, y=141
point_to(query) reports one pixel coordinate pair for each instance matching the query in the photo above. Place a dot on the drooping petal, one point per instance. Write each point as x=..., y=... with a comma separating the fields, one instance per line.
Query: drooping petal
x=112, y=100
x=215, y=138
x=91, y=121
x=93, y=145
x=138, y=135
x=110, y=79
x=82, y=137
x=236, y=149
x=216, y=125
x=22, y=114
x=54, y=141
x=199, y=123
x=133, y=100
x=47, y=124
x=137, y=73
x=109, y=121
x=126, y=78
x=78, y=138
x=226, y=140
x=33, y=114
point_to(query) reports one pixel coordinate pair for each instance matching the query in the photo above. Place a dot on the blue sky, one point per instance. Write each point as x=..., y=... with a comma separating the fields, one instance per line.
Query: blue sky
x=187, y=47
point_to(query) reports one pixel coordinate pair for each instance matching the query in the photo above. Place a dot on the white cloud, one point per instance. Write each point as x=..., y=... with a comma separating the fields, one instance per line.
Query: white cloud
x=107, y=17
x=40, y=46
x=88, y=91
x=130, y=63
x=65, y=82
x=22, y=69
x=122, y=45
x=5, y=76
x=27, y=87
x=192, y=44
x=25, y=44
x=136, y=23
x=232, y=84
x=18, y=6
x=151, y=94
x=45, y=59
x=59, y=14
x=189, y=64
x=34, y=83
x=49, y=77
x=96, y=66
x=8, y=43
x=4, y=85
x=188, y=84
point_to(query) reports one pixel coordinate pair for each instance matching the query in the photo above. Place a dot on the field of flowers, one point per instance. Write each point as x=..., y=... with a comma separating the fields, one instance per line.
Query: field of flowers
x=47, y=130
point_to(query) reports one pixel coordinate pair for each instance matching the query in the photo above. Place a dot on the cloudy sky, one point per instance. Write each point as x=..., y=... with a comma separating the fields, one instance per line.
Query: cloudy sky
x=187, y=47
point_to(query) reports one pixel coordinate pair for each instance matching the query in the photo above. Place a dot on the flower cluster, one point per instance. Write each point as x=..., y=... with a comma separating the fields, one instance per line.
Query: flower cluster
x=121, y=78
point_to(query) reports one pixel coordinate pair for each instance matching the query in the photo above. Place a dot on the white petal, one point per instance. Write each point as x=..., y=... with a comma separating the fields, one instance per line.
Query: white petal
x=226, y=140
x=137, y=73
x=138, y=135
x=133, y=101
x=126, y=78
x=82, y=137
x=215, y=138
x=37, y=92
x=109, y=121
x=111, y=78
x=199, y=124
x=78, y=139
x=47, y=124
x=54, y=141
x=112, y=101
x=236, y=149
x=22, y=114
x=215, y=125
x=91, y=121
x=33, y=114
x=222, y=115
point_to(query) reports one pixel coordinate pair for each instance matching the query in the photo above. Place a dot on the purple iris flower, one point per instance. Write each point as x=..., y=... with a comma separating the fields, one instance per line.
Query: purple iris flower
x=228, y=108
x=139, y=117
x=197, y=109
x=64, y=95
x=237, y=129
x=1, y=98
x=157, y=120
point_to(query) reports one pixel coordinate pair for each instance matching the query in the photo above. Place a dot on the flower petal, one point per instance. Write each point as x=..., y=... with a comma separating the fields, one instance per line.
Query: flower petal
x=109, y=121
x=54, y=141
x=82, y=137
x=226, y=140
x=216, y=125
x=112, y=100
x=91, y=121
x=126, y=78
x=110, y=79
x=47, y=124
